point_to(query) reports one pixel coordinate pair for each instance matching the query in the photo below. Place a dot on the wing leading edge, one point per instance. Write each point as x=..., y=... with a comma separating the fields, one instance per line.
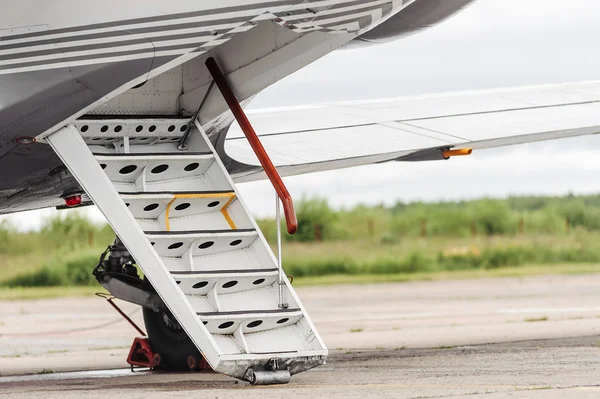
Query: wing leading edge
x=306, y=139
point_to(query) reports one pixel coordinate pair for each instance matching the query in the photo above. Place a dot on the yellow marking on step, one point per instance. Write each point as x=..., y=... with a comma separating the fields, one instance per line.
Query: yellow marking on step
x=205, y=195
x=231, y=197
x=226, y=213
x=167, y=223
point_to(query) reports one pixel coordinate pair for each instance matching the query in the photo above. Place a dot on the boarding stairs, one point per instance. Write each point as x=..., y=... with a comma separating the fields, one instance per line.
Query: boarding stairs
x=180, y=216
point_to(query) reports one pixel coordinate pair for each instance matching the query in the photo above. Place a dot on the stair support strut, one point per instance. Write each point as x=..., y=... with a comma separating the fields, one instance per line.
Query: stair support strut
x=280, y=282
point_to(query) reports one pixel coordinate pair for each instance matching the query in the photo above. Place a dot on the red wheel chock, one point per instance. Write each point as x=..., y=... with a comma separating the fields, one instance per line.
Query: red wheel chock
x=142, y=355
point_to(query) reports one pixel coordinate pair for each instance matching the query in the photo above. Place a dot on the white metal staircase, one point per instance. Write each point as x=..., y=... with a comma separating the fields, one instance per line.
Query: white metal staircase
x=181, y=218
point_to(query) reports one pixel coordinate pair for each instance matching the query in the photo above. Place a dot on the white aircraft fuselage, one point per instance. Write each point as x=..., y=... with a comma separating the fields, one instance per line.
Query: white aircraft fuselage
x=63, y=59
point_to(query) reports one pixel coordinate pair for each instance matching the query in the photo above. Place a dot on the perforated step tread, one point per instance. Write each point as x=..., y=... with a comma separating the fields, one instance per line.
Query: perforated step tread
x=233, y=271
x=173, y=193
x=152, y=155
x=197, y=232
x=201, y=282
x=250, y=312
x=250, y=321
x=145, y=170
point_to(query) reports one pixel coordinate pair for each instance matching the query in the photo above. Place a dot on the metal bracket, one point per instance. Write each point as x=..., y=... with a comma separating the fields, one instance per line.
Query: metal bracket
x=129, y=293
x=267, y=377
x=109, y=299
x=280, y=282
x=182, y=143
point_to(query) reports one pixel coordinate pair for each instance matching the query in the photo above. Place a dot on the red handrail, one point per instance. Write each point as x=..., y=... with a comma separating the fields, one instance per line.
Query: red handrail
x=257, y=147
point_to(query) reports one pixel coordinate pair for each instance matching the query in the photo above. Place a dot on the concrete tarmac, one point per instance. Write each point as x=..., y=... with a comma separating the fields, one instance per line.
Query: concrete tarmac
x=535, y=337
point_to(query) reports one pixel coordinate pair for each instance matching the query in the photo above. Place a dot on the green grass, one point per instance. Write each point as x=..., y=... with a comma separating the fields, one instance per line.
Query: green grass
x=14, y=356
x=55, y=352
x=482, y=217
x=70, y=269
x=437, y=255
x=405, y=242
x=522, y=271
x=46, y=371
x=106, y=348
x=62, y=253
x=535, y=319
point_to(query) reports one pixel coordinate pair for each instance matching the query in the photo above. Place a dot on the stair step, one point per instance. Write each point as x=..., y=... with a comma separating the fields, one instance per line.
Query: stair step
x=249, y=320
x=203, y=242
x=142, y=131
x=251, y=257
x=183, y=211
x=150, y=205
x=128, y=168
x=226, y=281
x=152, y=156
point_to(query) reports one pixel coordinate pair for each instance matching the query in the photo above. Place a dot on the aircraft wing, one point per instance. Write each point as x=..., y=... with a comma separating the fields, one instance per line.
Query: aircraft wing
x=303, y=139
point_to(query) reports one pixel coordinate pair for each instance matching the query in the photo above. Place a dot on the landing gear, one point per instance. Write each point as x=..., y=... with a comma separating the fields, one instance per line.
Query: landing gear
x=171, y=346
x=168, y=338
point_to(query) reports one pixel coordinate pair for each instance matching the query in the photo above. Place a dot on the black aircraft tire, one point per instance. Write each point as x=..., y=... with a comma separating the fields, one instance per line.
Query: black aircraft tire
x=173, y=345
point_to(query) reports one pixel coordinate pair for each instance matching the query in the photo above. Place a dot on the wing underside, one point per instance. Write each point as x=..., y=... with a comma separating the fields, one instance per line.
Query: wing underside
x=305, y=139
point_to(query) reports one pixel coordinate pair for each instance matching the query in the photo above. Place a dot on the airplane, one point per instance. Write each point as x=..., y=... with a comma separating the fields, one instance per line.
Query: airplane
x=137, y=107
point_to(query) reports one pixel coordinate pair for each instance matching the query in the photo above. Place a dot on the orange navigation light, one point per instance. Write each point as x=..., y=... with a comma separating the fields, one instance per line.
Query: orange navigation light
x=458, y=152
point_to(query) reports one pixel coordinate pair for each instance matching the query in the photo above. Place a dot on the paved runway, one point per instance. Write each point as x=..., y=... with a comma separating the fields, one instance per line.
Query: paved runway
x=518, y=338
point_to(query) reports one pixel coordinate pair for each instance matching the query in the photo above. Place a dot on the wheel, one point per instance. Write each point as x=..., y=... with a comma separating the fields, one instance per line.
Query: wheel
x=156, y=360
x=192, y=362
x=169, y=340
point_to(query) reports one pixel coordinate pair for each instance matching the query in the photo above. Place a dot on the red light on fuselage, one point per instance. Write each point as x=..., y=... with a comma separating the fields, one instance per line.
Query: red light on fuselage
x=73, y=200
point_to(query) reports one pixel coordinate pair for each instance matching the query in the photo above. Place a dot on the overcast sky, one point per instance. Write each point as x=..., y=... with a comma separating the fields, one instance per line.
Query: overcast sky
x=494, y=43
